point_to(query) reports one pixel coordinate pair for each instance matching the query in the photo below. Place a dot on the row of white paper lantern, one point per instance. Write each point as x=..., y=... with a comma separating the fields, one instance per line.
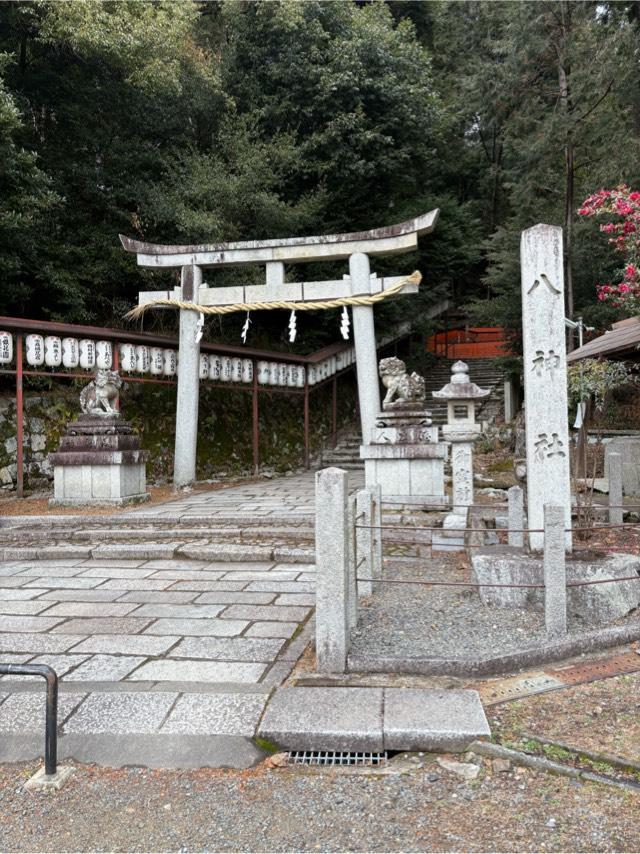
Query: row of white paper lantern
x=236, y=370
x=156, y=361
x=53, y=352
x=331, y=366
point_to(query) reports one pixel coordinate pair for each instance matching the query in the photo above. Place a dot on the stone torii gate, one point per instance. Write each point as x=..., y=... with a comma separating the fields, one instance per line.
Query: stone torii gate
x=274, y=254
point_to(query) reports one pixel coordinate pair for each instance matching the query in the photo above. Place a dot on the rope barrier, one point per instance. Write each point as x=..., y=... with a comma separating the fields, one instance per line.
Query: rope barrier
x=414, y=279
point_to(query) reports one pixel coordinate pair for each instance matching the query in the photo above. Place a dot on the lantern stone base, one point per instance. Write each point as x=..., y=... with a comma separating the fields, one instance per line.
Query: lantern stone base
x=99, y=462
x=405, y=457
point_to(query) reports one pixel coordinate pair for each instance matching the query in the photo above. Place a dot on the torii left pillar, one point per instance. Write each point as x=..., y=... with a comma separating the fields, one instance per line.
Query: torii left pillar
x=184, y=466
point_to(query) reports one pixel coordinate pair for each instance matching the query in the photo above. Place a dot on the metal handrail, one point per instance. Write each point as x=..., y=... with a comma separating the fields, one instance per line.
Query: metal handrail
x=51, y=721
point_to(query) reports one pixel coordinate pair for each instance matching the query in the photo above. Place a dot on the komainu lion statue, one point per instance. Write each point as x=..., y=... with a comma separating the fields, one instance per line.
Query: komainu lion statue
x=407, y=388
x=99, y=396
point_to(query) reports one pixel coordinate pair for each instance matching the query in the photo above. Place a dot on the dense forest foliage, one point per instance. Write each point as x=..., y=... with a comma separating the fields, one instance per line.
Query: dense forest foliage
x=203, y=121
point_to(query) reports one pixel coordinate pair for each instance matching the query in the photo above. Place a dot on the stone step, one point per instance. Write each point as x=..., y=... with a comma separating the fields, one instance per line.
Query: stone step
x=128, y=534
x=205, y=550
x=152, y=521
x=374, y=719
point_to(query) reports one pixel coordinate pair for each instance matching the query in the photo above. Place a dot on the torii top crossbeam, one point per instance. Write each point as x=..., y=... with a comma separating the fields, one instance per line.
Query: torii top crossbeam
x=387, y=240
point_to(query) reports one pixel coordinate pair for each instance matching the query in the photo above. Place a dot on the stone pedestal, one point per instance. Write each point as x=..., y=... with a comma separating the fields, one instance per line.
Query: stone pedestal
x=404, y=456
x=99, y=462
x=593, y=603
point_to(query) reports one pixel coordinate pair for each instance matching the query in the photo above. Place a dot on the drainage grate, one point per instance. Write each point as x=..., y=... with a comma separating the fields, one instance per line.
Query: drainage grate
x=335, y=757
x=591, y=671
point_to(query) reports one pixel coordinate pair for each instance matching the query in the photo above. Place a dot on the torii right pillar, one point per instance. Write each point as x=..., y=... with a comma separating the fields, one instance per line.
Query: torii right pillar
x=364, y=338
x=545, y=378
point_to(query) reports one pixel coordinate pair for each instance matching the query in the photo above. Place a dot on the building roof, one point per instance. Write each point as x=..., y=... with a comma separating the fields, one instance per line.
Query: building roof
x=620, y=342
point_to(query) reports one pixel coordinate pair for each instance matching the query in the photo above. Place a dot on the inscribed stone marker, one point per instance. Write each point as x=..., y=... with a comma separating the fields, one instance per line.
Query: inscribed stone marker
x=545, y=377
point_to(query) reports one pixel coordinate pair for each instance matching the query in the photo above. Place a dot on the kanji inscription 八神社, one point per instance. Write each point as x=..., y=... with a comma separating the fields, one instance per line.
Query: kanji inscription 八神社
x=274, y=254
x=545, y=377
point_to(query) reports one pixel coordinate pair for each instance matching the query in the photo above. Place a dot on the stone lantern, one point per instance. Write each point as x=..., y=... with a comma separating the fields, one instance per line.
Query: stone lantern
x=461, y=430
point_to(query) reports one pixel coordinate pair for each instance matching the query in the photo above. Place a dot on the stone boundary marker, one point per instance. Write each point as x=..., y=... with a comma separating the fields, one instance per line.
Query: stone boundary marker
x=374, y=719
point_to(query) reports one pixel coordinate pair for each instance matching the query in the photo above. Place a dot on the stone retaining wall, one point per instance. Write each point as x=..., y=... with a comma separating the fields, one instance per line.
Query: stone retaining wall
x=224, y=439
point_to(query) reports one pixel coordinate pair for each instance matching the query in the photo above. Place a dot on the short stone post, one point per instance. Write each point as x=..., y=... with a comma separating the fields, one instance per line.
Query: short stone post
x=332, y=563
x=364, y=542
x=515, y=498
x=376, y=521
x=616, y=514
x=352, y=585
x=555, y=574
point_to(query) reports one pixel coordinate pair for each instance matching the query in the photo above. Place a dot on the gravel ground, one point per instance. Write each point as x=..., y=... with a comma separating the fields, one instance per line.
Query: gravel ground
x=415, y=620
x=412, y=809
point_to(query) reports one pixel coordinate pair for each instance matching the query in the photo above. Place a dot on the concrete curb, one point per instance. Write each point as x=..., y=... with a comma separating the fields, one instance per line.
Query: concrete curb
x=373, y=719
x=159, y=750
x=494, y=665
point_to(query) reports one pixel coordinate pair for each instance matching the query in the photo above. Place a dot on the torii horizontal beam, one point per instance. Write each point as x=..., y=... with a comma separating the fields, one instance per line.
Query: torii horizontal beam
x=388, y=240
x=294, y=291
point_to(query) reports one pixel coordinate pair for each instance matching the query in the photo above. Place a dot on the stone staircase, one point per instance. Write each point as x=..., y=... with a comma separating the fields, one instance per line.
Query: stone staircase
x=483, y=372
x=232, y=537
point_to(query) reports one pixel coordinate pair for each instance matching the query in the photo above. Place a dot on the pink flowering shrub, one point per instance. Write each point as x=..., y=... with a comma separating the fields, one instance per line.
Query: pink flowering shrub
x=623, y=204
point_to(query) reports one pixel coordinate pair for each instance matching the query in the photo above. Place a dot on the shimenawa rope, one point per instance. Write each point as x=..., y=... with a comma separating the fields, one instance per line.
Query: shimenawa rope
x=414, y=279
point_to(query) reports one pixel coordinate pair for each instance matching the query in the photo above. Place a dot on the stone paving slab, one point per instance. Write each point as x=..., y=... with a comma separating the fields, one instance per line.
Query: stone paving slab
x=216, y=714
x=228, y=649
x=282, y=586
x=127, y=644
x=61, y=663
x=185, y=670
x=191, y=611
x=324, y=719
x=187, y=574
x=25, y=712
x=266, y=612
x=305, y=599
x=103, y=626
x=240, y=597
x=20, y=594
x=271, y=575
x=208, y=586
x=271, y=630
x=100, y=668
x=99, y=595
x=74, y=583
x=86, y=609
x=29, y=624
x=121, y=713
x=42, y=570
x=166, y=597
x=214, y=627
x=36, y=643
x=29, y=607
x=115, y=572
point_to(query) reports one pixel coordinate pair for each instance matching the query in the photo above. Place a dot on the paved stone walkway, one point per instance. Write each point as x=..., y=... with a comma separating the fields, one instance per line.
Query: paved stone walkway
x=292, y=496
x=148, y=646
